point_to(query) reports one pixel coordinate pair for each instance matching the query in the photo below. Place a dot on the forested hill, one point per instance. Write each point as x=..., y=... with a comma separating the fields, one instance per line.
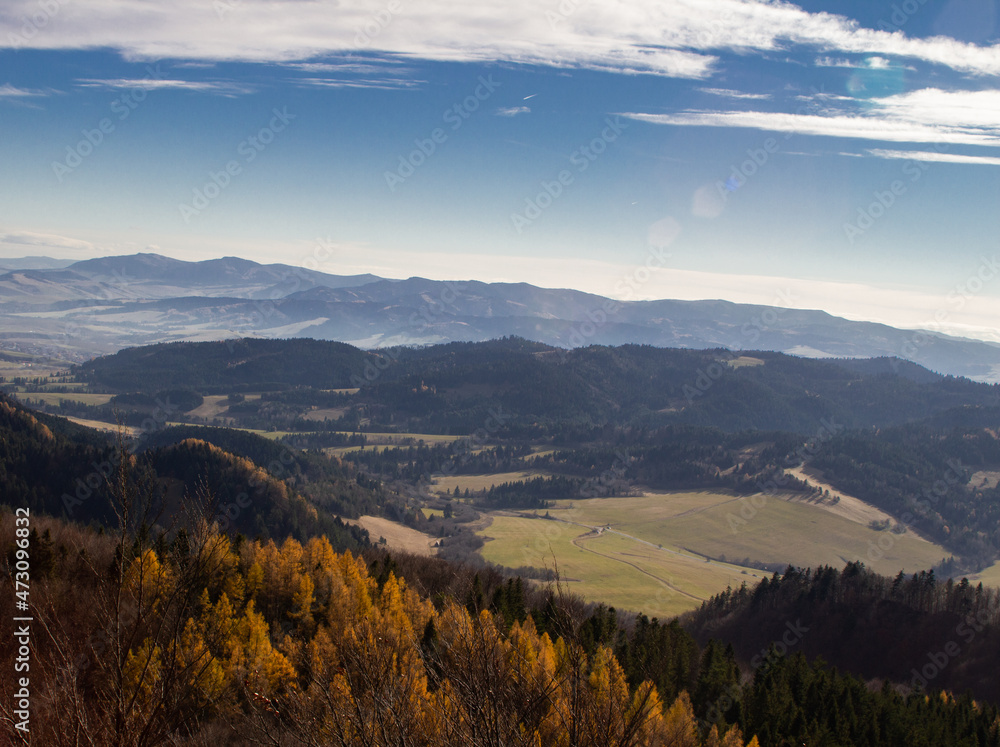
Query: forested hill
x=61, y=469
x=228, y=366
x=451, y=388
x=914, y=629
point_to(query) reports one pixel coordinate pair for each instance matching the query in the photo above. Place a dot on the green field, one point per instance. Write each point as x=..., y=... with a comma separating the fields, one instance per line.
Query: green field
x=696, y=524
x=448, y=484
x=606, y=567
x=772, y=531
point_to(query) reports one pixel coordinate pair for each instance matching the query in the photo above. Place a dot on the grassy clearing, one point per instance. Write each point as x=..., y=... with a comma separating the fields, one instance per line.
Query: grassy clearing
x=388, y=439
x=442, y=485
x=429, y=512
x=987, y=479
x=107, y=427
x=341, y=450
x=326, y=413
x=744, y=361
x=54, y=398
x=775, y=531
x=404, y=438
x=606, y=567
x=844, y=505
x=213, y=406
x=397, y=536
x=13, y=364
x=989, y=577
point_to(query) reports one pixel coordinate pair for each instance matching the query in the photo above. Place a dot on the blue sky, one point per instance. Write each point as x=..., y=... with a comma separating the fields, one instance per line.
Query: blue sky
x=842, y=156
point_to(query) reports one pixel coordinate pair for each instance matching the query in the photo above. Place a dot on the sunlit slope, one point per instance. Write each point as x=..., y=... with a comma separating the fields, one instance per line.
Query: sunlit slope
x=651, y=552
x=609, y=568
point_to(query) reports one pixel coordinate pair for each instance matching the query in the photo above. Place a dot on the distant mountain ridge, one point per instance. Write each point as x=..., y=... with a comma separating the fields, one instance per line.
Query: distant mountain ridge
x=101, y=305
x=33, y=263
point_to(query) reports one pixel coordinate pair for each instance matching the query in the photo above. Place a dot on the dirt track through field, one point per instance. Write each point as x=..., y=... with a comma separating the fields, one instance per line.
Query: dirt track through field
x=577, y=542
x=848, y=507
x=595, y=532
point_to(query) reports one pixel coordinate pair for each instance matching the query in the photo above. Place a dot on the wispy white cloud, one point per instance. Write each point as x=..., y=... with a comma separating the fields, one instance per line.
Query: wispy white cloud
x=836, y=62
x=867, y=63
x=7, y=91
x=373, y=67
x=852, y=126
x=923, y=155
x=512, y=111
x=385, y=84
x=50, y=240
x=680, y=38
x=925, y=116
x=384, y=73
x=225, y=88
x=730, y=94
x=972, y=109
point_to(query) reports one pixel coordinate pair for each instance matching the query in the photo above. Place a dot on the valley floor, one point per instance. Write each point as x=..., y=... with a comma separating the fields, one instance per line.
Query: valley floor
x=665, y=553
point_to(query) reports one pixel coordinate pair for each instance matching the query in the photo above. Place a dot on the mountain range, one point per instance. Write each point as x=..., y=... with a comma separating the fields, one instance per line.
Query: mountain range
x=101, y=305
